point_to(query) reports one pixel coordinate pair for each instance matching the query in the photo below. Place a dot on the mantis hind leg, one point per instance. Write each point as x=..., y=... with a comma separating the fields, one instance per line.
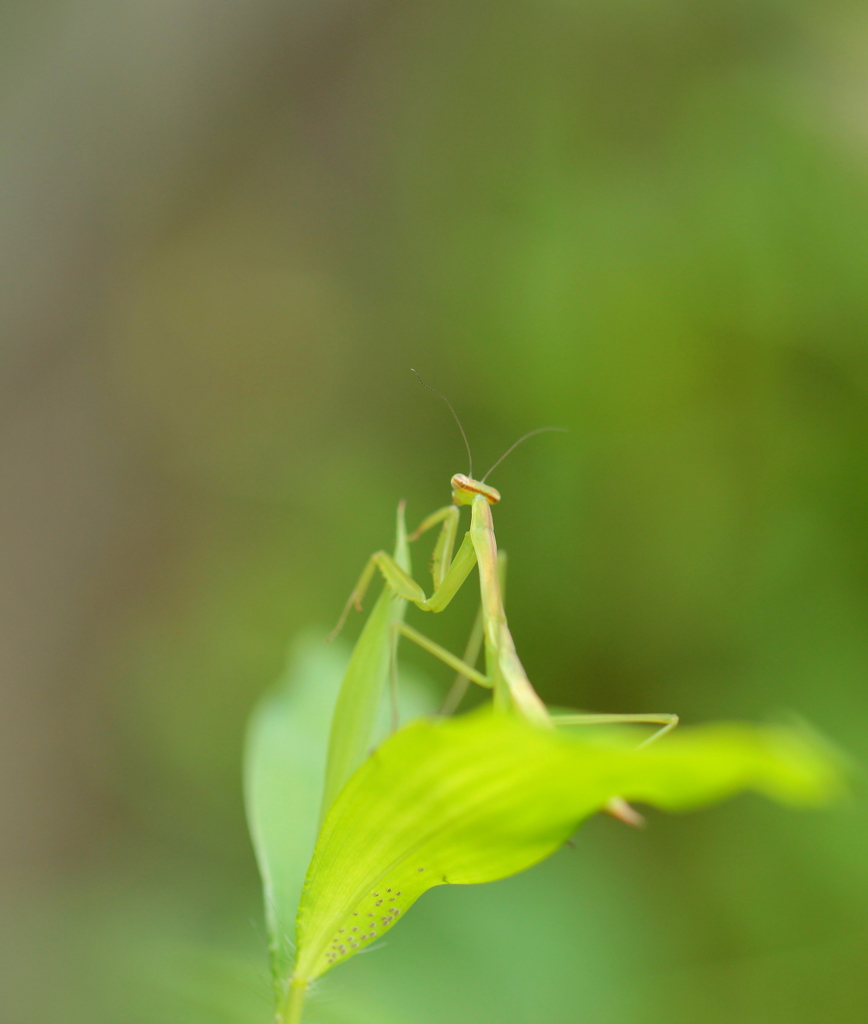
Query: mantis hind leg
x=447, y=657
x=618, y=807
x=464, y=668
x=667, y=722
x=471, y=654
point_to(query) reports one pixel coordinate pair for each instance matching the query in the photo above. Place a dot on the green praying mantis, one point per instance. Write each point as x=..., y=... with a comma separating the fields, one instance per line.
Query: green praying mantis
x=374, y=658
x=470, y=798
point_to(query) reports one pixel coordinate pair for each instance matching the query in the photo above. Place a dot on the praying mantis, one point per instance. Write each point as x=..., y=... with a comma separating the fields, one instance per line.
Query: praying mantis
x=374, y=657
x=473, y=799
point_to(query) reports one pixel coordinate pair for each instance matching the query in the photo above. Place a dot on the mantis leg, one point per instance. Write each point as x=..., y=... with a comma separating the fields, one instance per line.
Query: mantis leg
x=441, y=558
x=393, y=678
x=470, y=656
x=464, y=667
x=401, y=583
x=442, y=515
x=618, y=807
x=668, y=722
x=404, y=586
x=455, y=575
x=447, y=657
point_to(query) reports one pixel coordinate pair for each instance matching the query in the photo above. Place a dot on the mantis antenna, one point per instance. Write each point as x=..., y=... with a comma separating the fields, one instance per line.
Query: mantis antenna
x=512, y=447
x=458, y=421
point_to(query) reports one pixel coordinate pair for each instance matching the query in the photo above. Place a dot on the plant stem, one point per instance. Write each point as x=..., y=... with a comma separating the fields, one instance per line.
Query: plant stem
x=290, y=1012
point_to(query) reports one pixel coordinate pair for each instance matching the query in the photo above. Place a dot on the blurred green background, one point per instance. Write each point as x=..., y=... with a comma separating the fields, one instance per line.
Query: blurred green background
x=227, y=231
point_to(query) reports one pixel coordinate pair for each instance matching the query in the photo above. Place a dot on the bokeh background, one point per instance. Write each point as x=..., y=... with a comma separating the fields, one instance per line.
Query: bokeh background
x=228, y=231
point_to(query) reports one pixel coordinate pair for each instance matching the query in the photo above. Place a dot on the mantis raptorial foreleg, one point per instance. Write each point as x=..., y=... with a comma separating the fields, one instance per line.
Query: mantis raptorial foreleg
x=441, y=557
x=400, y=582
x=404, y=586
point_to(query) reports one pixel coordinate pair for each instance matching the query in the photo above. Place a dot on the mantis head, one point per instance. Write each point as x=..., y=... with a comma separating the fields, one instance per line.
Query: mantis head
x=465, y=489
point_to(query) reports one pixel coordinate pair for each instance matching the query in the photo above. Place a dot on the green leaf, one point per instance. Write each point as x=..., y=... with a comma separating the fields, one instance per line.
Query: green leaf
x=283, y=780
x=284, y=767
x=483, y=796
x=361, y=694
